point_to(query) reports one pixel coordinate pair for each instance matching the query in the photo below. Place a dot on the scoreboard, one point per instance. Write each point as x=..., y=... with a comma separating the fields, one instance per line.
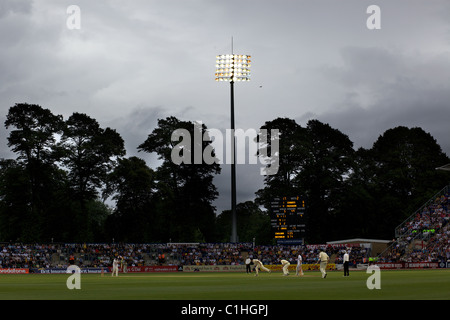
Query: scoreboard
x=287, y=218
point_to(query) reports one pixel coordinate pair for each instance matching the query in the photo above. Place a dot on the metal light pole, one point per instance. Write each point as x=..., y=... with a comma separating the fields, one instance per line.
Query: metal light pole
x=232, y=68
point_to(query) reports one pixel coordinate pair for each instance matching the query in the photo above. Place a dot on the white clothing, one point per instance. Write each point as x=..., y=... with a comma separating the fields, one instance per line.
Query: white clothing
x=115, y=267
x=299, y=269
x=286, y=265
x=346, y=257
x=259, y=265
x=323, y=258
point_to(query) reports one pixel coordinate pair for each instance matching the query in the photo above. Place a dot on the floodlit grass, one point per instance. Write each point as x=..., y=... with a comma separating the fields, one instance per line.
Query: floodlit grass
x=395, y=285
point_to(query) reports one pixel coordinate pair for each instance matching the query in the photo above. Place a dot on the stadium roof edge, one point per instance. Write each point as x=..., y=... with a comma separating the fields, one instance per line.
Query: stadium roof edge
x=359, y=240
x=444, y=167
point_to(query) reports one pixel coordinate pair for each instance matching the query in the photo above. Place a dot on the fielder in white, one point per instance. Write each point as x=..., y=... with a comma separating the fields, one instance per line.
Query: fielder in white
x=323, y=261
x=285, y=265
x=299, y=269
x=115, y=268
x=259, y=265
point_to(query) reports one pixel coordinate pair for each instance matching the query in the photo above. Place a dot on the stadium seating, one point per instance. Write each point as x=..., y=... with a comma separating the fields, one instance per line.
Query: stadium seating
x=101, y=255
x=425, y=235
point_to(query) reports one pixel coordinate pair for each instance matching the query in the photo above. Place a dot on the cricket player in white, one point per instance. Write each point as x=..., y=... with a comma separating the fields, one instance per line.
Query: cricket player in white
x=299, y=269
x=115, y=268
x=323, y=260
x=259, y=265
x=285, y=265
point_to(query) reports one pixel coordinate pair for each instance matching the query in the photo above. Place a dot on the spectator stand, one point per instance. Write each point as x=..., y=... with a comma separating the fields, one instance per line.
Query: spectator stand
x=424, y=232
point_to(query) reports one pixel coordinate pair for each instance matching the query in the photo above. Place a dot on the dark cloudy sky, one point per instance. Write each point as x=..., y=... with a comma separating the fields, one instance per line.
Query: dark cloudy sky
x=132, y=62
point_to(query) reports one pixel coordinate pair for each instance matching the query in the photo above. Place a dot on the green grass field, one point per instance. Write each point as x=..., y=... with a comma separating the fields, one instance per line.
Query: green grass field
x=395, y=285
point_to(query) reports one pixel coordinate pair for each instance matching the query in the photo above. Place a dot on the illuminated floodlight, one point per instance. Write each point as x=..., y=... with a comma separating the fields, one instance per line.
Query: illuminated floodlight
x=233, y=67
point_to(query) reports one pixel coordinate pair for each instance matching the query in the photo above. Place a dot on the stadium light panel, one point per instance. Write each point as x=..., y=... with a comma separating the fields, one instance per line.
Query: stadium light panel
x=233, y=67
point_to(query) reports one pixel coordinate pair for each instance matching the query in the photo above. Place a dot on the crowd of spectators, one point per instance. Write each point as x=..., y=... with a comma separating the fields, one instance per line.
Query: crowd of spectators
x=426, y=236
x=26, y=256
x=436, y=249
x=17, y=255
x=431, y=217
x=236, y=254
x=101, y=255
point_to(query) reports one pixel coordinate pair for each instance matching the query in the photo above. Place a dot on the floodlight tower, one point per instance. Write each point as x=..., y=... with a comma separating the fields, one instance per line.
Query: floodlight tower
x=233, y=68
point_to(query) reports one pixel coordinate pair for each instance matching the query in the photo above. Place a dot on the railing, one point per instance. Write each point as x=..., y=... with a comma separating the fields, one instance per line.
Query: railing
x=401, y=236
x=398, y=233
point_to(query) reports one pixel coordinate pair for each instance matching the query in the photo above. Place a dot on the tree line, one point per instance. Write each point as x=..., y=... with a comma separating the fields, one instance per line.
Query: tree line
x=65, y=170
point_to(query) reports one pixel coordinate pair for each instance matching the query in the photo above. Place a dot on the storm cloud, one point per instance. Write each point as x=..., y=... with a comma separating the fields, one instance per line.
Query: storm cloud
x=133, y=62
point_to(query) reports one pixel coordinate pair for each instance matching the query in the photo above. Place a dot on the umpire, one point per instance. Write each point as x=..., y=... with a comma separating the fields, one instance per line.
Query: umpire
x=248, y=264
x=346, y=261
